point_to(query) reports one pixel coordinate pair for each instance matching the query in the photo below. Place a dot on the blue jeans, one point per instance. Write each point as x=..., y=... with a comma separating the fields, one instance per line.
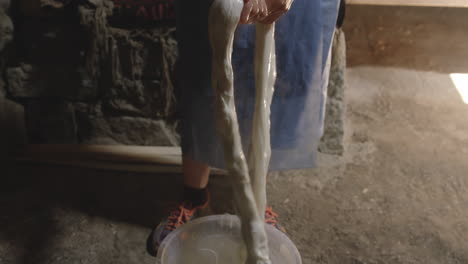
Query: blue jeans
x=303, y=40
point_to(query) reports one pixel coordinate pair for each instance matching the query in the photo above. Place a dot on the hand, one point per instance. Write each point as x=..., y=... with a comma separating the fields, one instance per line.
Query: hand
x=276, y=8
x=264, y=11
x=254, y=10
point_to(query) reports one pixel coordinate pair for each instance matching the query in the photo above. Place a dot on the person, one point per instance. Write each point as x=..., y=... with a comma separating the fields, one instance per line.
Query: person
x=303, y=39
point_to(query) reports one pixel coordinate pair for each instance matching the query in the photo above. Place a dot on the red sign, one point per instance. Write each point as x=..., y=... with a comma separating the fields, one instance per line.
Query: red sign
x=138, y=12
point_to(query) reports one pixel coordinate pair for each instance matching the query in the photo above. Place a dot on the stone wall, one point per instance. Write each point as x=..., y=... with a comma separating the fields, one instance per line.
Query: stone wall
x=103, y=72
x=83, y=80
x=12, y=125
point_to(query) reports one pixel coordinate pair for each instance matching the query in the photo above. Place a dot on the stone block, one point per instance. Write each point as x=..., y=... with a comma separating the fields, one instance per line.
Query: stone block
x=48, y=60
x=18, y=78
x=332, y=139
x=42, y=8
x=6, y=28
x=6, y=36
x=338, y=66
x=12, y=127
x=51, y=121
x=4, y=4
x=141, y=77
x=96, y=128
x=142, y=131
x=51, y=41
x=35, y=81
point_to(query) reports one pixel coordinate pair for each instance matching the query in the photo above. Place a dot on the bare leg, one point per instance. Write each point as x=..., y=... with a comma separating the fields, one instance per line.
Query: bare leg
x=196, y=174
x=195, y=196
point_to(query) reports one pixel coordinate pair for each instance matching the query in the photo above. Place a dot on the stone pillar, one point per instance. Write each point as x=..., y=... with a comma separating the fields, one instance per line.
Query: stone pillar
x=332, y=139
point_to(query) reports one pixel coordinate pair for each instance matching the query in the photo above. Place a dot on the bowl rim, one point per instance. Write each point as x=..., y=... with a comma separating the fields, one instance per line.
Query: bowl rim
x=233, y=218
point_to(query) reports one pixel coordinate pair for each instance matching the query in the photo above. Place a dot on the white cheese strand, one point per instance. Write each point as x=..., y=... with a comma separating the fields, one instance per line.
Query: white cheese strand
x=223, y=19
x=265, y=76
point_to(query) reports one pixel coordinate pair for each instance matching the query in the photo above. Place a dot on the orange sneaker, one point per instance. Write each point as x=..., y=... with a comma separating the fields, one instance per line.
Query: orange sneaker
x=184, y=213
x=271, y=218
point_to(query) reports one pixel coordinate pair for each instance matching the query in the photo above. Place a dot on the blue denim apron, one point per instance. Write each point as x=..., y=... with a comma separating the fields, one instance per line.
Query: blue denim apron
x=303, y=39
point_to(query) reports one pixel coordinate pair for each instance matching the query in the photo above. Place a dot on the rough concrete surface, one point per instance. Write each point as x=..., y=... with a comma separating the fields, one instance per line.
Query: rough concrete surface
x=397, y=195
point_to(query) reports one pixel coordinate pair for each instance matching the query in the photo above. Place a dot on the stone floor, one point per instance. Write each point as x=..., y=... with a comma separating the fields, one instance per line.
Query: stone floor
x=398, y=195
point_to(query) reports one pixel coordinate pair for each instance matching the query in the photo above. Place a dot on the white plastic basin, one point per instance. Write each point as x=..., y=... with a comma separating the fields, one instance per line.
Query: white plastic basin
x=217, y=239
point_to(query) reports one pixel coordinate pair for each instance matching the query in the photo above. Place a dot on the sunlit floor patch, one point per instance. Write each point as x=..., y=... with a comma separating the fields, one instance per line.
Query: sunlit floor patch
x=460, y=80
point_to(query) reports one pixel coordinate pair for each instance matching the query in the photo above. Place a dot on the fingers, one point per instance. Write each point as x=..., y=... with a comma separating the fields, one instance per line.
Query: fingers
x=263, y=10
x=277, y=9
x=254, y=10
x=245, y=14
x=271, y=18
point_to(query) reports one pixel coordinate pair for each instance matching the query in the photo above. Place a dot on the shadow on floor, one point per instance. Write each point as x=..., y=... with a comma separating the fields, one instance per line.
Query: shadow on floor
x=29, y=194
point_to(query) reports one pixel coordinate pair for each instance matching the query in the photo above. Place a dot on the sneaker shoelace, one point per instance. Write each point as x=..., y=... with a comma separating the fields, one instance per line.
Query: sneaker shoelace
x=179, y=216
x=271, y=217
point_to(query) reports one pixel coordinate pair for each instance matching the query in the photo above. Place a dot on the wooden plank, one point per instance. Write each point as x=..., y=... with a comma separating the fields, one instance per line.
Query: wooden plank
x=109, y=157
x=115, y=153
x=77, y=148
x=112, y=166
x=434, y=3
